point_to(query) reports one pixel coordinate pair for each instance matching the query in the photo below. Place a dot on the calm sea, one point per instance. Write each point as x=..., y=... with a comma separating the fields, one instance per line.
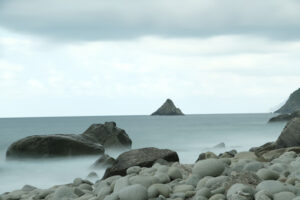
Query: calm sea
x=188, y=135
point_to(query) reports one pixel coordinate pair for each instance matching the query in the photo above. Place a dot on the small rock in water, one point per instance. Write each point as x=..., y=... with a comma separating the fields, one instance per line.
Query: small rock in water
x=92, y=175
x=221, y=145
x=206, y=155
x=28, y=188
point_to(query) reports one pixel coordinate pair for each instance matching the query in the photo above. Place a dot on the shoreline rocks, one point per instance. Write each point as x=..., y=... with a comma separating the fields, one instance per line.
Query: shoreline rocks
x=144, y=157
x=168, y=108
x=238, y=178
x=91, y=142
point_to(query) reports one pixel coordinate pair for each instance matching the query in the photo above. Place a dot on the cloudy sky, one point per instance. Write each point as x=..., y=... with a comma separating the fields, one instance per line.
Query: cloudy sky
x=125, y=57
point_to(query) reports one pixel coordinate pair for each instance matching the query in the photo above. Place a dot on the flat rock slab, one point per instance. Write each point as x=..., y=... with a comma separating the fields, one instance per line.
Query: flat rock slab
x=144, y=157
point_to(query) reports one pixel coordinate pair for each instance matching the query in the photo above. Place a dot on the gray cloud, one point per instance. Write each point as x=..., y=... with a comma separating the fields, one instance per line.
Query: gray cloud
x=126, y=19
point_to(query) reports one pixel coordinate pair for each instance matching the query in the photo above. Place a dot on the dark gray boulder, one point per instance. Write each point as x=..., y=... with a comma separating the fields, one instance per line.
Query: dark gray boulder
x=285, y=117
x=168, y=108
x=109, y=135
x=292, y=104
x=91, y=142
x=289, y=137
x=40, y=146
x=144, y=157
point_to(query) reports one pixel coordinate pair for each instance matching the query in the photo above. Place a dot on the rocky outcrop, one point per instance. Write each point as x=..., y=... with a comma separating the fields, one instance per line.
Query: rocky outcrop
x=168, y=108
x=91, y=142
x=289, y=137
x=285, y=117
x=108, y=135
x=292, y=104
x=144, y=157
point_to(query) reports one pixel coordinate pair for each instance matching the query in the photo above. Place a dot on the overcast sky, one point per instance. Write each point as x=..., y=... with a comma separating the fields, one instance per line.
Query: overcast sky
x=125, y=57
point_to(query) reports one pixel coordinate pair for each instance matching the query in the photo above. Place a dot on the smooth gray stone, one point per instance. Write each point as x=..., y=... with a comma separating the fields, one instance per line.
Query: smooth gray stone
x=208, y=167
x=133, y=192
x=240, y=191
x=284, y=196
x=64, y=193
x=271, y=186
x=267, y=174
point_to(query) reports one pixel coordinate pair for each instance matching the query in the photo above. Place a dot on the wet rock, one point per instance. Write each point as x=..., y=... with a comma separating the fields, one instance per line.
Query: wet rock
x=145, y=157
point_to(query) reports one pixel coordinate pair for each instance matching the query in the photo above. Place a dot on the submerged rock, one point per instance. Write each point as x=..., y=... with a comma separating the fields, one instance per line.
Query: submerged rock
x=292, y=104
x=144, y=157
x=168, y=108
x=91, y=142
x=103, y=162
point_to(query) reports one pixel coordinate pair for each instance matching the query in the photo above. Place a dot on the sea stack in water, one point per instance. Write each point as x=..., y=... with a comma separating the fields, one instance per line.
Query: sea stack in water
x=168, y=108
x=91, y=142
x=292, y=104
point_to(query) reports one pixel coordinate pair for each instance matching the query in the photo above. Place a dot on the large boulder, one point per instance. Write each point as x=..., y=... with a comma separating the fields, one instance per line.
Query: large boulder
x=91, y=142
x=144, y=157
x=168, y=108
x=289, y=137
x=292, y=104
x=108, y=135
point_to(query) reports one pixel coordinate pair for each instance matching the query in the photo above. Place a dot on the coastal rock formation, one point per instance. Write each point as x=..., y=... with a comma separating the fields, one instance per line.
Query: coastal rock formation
x=292, y=104
x=289, y=137
x=168, y=108
x=91, y=142
x=109, y=135
x=144, y=157
x=285, y=117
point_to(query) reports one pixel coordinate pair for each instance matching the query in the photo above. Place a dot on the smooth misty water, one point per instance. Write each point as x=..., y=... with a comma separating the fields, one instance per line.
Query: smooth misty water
x=188, y=135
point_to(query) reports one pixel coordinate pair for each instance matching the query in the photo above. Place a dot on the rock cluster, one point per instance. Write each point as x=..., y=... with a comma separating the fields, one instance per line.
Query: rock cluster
x=168, y=108
x=242, y=177
x=91, y=142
